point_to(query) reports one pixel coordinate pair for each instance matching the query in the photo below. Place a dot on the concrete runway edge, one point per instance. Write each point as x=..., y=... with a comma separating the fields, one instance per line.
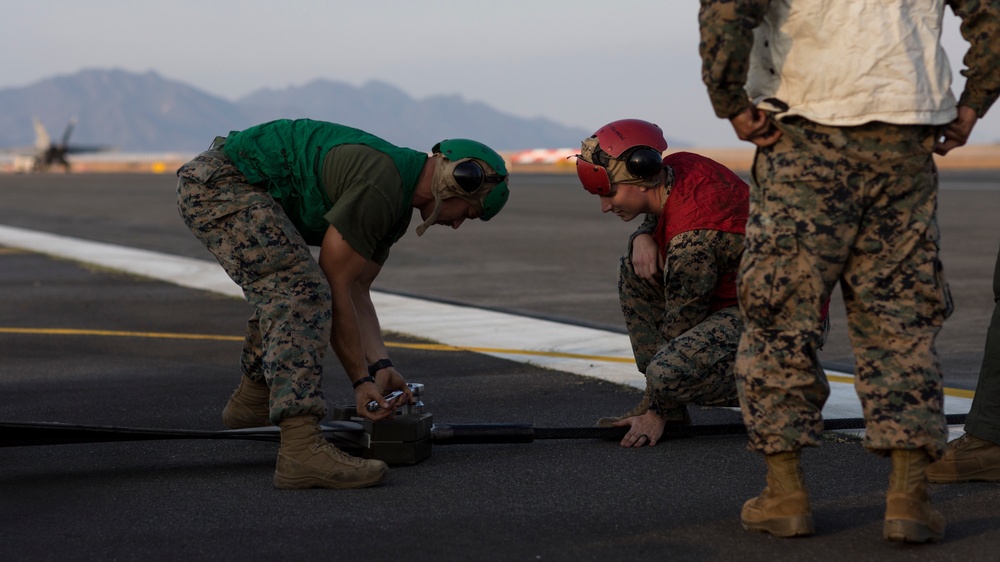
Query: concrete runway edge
x=564, y=347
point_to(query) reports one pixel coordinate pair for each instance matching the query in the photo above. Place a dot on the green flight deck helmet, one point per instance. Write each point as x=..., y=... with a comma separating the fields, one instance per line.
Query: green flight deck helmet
x=472, y=172
x=479, y=171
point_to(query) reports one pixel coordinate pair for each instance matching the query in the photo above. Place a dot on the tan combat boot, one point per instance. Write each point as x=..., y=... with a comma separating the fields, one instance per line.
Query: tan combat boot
x=782, y=509
x=909, y=516
x=307, y=460
x=966, y=459
x=247, y=407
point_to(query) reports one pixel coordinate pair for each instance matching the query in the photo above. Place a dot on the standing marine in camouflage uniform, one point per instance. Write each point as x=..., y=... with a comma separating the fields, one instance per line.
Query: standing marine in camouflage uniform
x=677, y=283
x=847, y=102
x=975, y=456
x=258, y=199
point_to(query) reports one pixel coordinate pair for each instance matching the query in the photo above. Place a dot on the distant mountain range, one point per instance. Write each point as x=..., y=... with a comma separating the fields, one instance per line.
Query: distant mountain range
x=147, y=112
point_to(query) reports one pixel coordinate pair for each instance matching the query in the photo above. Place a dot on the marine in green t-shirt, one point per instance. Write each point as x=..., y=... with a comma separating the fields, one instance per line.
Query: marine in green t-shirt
x=257, y=199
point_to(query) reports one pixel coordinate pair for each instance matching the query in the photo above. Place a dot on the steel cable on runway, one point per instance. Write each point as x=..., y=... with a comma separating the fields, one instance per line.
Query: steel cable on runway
x=452, y=434
x=13, y=434
x=677, y=431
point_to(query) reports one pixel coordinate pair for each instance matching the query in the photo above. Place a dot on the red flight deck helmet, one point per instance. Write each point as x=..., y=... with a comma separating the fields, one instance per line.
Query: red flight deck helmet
x=638, y=144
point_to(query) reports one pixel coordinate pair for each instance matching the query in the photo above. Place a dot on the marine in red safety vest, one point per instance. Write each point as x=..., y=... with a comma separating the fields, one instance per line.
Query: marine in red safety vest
x=677, y=281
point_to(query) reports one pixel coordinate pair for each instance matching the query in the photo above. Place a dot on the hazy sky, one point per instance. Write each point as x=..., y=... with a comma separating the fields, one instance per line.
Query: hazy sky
x=582, y=63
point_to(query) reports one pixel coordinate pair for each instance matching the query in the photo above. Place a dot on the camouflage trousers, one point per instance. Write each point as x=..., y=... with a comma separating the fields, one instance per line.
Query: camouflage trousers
x=261, y=250
x=855, y=205
x=695, y=367
x=984, y=415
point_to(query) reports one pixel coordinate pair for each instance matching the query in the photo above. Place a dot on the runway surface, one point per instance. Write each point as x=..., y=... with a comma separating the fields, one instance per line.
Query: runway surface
x=527, y=307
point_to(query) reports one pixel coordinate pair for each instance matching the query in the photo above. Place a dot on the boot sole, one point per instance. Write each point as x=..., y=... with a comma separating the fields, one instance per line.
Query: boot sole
x=991, y=475
x=304, y=482
x=901, y=530
x=784, y=527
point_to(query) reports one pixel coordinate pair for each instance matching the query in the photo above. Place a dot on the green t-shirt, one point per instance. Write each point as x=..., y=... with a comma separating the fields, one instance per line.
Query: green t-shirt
x=369, y=209
x=288, y=158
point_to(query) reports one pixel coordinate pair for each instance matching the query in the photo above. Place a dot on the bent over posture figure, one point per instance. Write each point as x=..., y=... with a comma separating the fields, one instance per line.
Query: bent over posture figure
x=258, y=199
x=677, y=282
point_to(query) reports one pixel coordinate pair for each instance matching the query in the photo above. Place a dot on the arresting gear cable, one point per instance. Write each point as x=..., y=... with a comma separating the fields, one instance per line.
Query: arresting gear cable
x=402, y=440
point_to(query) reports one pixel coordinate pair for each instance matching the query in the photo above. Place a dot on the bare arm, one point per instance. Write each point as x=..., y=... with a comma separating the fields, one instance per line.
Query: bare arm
x=388, y=378
x=352, y=328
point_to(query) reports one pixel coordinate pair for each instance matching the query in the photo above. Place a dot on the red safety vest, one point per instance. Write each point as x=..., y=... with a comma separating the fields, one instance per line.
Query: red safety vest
x=705, y=196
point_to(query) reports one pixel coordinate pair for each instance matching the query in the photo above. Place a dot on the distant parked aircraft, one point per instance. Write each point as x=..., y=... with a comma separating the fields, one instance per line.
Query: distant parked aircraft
x=554, y=159
x=544, y=156
x=46, y=153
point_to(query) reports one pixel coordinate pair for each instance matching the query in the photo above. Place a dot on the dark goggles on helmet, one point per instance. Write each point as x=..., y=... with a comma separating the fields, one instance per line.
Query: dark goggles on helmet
x=471, y=177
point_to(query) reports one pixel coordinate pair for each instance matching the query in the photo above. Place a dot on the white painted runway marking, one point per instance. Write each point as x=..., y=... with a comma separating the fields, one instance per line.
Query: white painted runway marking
x=564, y=347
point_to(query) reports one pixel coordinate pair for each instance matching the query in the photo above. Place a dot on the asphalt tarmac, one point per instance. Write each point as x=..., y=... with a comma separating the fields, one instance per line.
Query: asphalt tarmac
x=87, y=345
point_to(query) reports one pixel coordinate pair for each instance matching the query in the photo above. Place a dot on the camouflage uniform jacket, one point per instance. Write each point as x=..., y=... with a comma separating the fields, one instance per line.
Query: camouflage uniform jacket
x=700, y=236
x=727, y=40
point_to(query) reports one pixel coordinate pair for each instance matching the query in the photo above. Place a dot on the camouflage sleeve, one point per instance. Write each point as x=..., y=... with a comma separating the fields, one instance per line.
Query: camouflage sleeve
x=726, y=40
x=648, y=226
x=981, y=28
x=694, y=262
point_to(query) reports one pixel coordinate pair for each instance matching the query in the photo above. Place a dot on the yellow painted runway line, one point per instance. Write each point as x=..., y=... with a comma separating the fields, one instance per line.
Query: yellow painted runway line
x=441, y=347
x=422, y=346
x=845, y=379
x=115, y=333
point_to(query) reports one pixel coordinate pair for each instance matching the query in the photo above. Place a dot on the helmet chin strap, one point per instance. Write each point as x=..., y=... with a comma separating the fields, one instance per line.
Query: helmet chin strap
x=443, y=186
x=436, y=188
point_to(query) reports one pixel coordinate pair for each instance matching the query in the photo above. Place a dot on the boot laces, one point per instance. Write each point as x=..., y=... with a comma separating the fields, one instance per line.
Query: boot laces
x=325, y=447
